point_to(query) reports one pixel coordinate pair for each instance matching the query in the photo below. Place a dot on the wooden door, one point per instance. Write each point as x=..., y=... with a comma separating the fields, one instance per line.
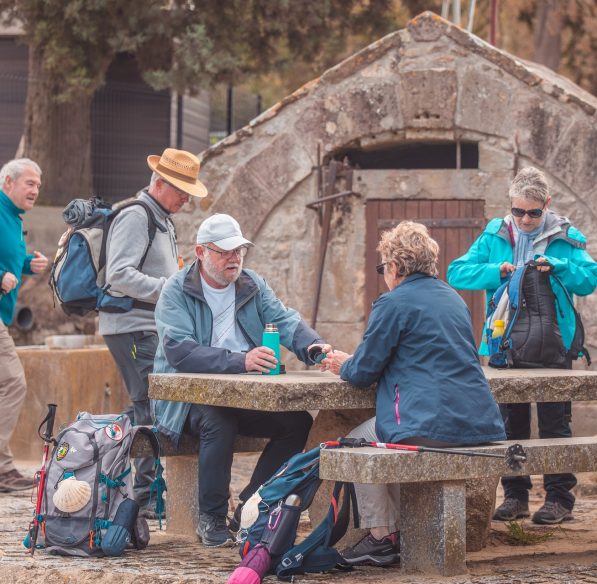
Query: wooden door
x=453, y=223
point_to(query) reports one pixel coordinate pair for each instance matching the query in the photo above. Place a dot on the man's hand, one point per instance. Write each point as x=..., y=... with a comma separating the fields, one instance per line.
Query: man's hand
x=9, y=282
x=333, y=361
x=506, y=268
x=39, y=263
x=260, y=359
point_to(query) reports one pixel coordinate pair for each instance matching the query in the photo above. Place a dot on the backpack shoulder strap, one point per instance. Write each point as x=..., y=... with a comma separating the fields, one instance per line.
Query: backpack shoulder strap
x=316, y=552
x=579, y=330
x=152, y=227
x=158, y=486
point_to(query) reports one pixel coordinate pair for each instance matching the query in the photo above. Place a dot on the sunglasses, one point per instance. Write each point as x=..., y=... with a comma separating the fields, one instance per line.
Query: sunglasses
x=380, y=268
x=533, y=213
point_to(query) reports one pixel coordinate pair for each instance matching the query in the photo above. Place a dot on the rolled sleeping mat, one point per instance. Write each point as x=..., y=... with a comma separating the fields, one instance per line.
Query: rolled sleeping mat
x=118, y=535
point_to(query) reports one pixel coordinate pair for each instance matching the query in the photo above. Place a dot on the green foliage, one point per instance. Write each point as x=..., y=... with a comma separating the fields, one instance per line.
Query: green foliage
x=185, y=44
x=521, y=536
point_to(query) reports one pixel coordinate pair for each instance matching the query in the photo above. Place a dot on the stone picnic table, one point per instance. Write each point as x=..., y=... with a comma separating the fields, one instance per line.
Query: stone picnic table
x=316, y=390
x=341, y=408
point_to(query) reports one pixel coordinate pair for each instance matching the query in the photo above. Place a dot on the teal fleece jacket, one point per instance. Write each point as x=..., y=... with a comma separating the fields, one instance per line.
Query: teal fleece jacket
x=13, y=253
x=479, y=267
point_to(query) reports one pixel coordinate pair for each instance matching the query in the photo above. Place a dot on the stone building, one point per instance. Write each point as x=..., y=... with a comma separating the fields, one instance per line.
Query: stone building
x=434, y=123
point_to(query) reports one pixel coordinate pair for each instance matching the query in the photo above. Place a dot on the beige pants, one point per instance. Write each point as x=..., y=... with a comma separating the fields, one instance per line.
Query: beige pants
x=13, y=389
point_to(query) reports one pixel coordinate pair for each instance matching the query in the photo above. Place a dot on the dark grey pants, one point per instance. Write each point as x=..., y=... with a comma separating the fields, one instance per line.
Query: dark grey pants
x=134, y=354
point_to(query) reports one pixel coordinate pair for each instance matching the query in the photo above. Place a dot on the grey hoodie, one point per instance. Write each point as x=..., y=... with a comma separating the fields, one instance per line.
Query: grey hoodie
x=127, y=241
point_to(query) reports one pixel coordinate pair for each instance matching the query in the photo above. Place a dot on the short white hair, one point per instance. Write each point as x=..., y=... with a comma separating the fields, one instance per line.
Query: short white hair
x=15, y=168
x=529, y=183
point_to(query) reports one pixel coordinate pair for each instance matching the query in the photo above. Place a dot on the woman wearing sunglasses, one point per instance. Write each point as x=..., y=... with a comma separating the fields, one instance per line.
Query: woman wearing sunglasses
x=431, y=391
x=531, y=231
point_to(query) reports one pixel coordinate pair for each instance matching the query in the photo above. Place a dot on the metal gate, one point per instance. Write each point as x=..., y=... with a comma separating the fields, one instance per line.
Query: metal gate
x=453, y=223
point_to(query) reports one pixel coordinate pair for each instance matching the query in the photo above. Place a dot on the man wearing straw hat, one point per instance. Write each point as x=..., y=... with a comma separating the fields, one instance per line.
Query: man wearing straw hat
x=137, y=267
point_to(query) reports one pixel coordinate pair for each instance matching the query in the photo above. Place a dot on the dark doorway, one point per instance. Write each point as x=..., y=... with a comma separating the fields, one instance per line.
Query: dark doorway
x=416, y=155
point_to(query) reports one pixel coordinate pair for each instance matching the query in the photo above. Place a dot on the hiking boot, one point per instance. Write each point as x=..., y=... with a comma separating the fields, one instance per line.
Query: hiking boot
x=148, y=512
x=213, y=531
x=552, y=512
x=234, y=521
x=376, y=552
x=13, y=480
x=511, y=509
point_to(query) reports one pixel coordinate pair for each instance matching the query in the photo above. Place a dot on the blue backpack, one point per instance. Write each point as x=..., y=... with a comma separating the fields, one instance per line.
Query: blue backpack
x=531, y=338
x=299, y=476
x=77, y=276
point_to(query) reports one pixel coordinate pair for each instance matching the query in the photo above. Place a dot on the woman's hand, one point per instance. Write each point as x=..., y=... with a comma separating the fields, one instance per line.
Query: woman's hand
x=333, y=361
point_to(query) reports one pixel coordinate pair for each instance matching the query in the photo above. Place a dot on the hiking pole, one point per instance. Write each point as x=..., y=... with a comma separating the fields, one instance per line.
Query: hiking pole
x=514, y=455
x=40, y=477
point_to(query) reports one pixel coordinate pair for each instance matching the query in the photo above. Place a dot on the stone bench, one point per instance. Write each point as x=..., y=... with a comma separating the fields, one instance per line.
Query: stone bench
x=433, y=492
x=182, y=476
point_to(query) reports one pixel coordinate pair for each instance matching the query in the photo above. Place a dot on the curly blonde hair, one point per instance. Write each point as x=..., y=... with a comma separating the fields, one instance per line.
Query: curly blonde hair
x=411, y=248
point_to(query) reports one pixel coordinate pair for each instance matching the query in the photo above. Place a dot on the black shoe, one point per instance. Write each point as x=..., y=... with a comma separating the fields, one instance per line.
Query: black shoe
x=148, y=512
x=234, y=521
x=551, y=513
x=377, y=552
x=511, y=509
x=213, y=530
x=13, y=480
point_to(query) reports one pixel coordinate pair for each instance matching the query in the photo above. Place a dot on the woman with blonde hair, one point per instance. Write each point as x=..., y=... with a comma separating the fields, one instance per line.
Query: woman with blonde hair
x=431, y=391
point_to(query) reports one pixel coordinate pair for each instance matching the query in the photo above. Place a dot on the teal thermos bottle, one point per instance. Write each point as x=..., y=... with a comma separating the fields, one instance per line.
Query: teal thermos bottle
x=271, y=339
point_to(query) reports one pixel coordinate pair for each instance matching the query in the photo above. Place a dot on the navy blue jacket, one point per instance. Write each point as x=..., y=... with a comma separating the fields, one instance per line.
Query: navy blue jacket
x=419, y=348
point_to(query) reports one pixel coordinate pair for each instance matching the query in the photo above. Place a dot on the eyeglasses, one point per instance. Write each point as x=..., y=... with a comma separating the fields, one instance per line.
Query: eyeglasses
x=178, y=191
x=380, y=268
x=240, y=251
x=533, y=213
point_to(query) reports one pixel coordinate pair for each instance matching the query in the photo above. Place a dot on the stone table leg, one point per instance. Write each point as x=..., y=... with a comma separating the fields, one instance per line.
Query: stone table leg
x=181, y=508
x=433, y=527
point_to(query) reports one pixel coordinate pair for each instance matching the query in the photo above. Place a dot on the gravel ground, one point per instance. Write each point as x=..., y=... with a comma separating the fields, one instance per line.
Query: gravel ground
x=570, y=555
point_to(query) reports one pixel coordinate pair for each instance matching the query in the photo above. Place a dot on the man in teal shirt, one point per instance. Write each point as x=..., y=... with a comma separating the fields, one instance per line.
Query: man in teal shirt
x=20, y=181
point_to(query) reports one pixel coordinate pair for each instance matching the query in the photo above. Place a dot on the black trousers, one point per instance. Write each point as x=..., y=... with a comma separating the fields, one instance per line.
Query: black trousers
x=554, y=422
x=217, y=428
x=134, y=354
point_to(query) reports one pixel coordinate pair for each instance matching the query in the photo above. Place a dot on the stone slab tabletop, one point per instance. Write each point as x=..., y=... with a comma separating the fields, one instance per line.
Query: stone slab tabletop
x=316, y=390
x=378, y=466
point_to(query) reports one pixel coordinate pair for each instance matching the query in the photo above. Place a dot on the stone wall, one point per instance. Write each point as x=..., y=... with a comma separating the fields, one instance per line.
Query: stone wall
x=76, y=380
x=431, y=81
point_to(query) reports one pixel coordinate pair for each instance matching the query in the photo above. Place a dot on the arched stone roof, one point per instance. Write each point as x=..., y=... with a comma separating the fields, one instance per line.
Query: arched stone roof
x=430, y=80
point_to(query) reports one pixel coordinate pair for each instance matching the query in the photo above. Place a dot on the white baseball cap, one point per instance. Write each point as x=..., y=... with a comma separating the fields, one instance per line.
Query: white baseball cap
x=223, y=230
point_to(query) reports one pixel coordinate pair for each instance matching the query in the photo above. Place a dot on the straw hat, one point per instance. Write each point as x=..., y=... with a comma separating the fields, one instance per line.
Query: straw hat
x=180, y=169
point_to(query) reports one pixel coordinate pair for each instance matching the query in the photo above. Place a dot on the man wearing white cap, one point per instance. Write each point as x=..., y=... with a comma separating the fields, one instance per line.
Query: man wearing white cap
x=210, y=318
x=141, y=255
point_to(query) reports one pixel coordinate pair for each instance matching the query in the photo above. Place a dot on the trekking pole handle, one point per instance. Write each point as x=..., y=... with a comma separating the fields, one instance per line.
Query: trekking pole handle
x=49, y=421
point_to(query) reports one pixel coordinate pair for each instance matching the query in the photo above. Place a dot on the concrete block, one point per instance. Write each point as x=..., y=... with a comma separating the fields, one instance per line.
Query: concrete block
x=183, y=499
x=433, y=534
x=428, y=98
x=76, y=380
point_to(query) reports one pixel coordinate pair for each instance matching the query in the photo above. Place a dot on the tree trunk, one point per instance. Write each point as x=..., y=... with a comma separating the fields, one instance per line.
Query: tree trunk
x=57, y=136
x=548, y=28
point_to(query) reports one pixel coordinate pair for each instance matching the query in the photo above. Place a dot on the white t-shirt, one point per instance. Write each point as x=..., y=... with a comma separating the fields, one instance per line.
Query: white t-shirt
x=225, y=332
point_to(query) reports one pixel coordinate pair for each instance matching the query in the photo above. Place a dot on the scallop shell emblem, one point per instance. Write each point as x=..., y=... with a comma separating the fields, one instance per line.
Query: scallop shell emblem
x=72, y=495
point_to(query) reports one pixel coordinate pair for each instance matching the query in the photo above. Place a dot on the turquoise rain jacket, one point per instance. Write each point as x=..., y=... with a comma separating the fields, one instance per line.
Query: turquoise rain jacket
x=184, y=325
x=13, y=253
x=561, y=244
x=419, y=348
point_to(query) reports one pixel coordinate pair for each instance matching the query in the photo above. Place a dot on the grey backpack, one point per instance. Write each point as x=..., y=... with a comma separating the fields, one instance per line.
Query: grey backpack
x=88, y=507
